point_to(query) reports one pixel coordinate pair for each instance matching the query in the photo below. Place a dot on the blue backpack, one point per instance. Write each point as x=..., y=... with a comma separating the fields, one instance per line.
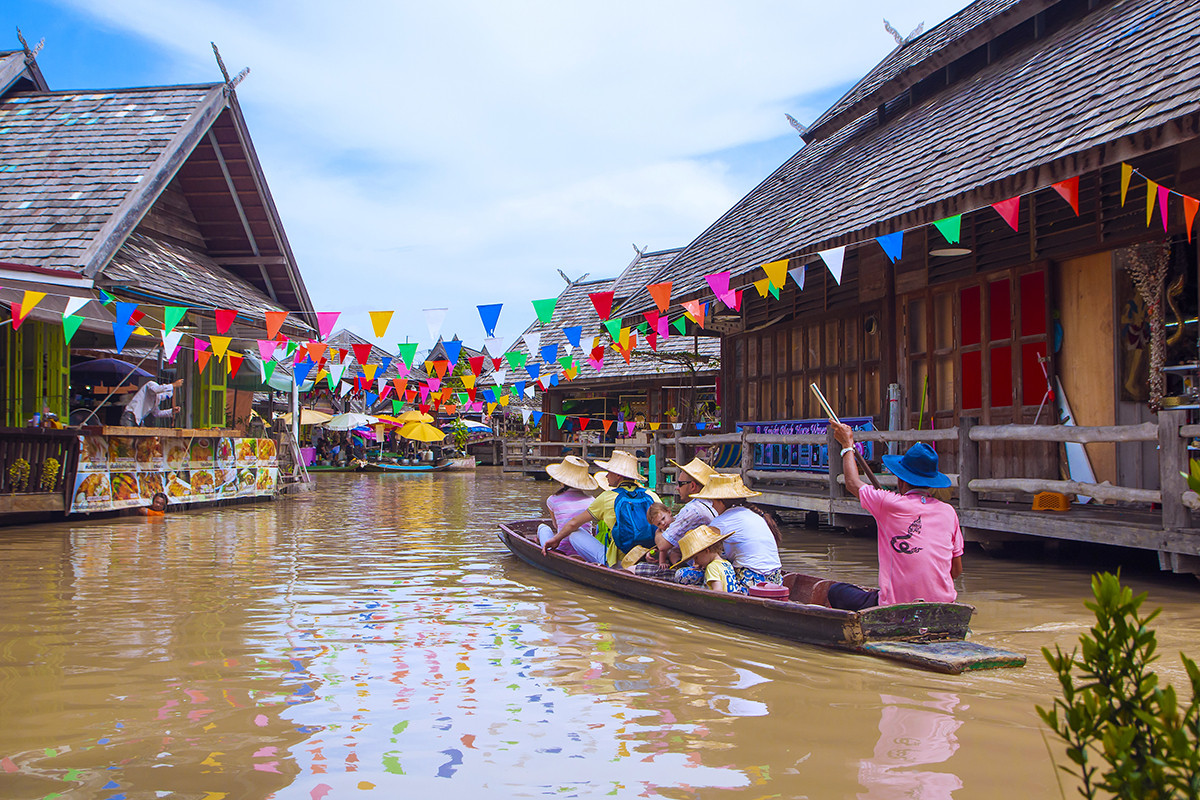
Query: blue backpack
x=632, y=528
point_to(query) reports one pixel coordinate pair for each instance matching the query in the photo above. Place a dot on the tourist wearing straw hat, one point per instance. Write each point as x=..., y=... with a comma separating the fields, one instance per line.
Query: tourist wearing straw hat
x=690, y=479
x=702, y=547
x=920, y=543
x=574, y=495
x=621, y=510
x=753, y=543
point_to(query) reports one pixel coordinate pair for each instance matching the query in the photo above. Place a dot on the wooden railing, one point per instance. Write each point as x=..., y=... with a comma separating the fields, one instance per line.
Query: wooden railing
x=25, y=467
x=529, y=455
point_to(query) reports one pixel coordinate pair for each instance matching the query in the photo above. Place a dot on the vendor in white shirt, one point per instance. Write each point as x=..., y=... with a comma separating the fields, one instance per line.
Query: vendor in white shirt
x=691, y=478
x=146, y=402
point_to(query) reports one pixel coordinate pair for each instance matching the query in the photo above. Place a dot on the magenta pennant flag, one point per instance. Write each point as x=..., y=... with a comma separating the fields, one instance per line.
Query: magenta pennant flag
x=719, y=283
x=199, y=346
x=325, y=322
x=1163, y=192
x=629, y=426
x=266, y=348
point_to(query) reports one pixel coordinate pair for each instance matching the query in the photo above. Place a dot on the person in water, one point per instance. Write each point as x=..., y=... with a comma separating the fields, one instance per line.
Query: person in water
x=753, y=543
x=157, y=507
x=573, y=497
x=702, y=547
x=919, y=541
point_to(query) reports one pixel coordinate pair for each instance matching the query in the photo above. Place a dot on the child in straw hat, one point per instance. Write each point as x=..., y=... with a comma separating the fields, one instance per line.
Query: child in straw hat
x=703, y=547
x=573, y=497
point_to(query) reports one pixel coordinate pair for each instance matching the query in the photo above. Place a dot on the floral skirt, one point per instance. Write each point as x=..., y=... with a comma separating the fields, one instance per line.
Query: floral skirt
x=748, y=577
x=694, y=576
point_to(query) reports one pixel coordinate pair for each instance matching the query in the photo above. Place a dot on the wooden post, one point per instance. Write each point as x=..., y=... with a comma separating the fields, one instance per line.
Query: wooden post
x=524, y=458
x=747, y=460
x=679, y=457
x=968, y=463
x=836, y=490
x=1172, y=459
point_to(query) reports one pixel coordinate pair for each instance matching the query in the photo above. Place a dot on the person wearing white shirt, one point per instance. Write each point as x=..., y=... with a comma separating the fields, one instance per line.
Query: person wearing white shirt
x=146, y=401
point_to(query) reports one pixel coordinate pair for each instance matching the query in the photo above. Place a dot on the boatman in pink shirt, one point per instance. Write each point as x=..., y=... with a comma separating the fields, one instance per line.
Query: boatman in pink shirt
x=920, y=542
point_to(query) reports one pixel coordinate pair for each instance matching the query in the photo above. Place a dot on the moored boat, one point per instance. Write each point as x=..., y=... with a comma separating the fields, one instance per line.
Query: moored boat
x=927, y=635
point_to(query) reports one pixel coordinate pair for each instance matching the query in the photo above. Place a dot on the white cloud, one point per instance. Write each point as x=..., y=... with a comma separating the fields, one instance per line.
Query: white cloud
x=427, y=154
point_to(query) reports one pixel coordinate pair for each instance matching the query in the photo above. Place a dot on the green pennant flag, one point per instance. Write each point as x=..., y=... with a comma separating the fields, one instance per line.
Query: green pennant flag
x=514, y=359
x=566, y=361
x=105, y=297
x=463, y=398
x=613, y=326
x=560, y=419
x=680, y=325
x=644, y=328
x=268, y=371
x=950, y=228
x=545, y=309
x=172, y=315
x=291, y=348
x=407, y=353
x=774, y=290
x=396, y=406
x=70, y=325
x=513, y=391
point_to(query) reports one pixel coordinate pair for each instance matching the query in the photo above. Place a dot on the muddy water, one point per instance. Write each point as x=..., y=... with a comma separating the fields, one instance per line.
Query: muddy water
x=373, y=638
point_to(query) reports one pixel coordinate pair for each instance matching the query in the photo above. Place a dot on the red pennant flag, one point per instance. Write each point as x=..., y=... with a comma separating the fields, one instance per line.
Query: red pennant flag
x=410, y=395
x=1010, y=210
x=1190, y=205
x=652, y=318
x=1069, y=190
x=235, y=363
x=625, y=353
x=137, y=316
x=362, y=353
x=225, y=318
x=424, y=408
x=342, y=354
x=607, y=424
x=471, y=393
x=476, y=364
x=602, y=302
x=583, y=422
x=496, y=362
x=661, y=292
x=17, y=317
x=652, y=338
x=275, y=320
x=598, y=352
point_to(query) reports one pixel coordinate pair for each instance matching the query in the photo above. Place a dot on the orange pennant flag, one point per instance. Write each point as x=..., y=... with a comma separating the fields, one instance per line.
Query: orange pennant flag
x=1126, y=175
x=441, y=366
x=202, y=358
x=275, y=320
x=1190, y=205
x=380, y=321
x=1069, y=190
x=661, y=292
x=316, y=350
x=695, y=311
x=607, y=424
x=1151, y=196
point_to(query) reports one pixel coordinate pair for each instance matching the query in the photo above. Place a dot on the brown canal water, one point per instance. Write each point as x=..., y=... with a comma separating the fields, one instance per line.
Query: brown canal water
x=374, y=638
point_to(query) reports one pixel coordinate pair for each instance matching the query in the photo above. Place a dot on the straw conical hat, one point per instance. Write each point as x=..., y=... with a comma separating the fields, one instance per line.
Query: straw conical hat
x=697, y=469
x=721, y=486
x=622, y=464
x=573, y=472
x=698, y=539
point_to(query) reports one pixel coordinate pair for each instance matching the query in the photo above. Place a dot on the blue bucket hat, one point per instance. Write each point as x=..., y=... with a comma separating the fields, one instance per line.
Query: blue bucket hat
x=918, y=467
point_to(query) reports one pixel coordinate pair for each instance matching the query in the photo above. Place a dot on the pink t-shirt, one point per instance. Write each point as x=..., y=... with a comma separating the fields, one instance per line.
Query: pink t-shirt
x=568, y=504
x=918, y=537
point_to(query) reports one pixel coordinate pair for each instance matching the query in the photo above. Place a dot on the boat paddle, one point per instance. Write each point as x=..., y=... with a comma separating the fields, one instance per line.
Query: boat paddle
x=863, y=467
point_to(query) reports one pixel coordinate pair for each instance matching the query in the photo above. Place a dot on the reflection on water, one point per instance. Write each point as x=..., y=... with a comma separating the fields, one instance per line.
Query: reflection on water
x=374, y=637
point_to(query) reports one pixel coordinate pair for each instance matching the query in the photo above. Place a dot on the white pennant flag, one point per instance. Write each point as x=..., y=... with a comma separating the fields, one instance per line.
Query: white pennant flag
x=570, y=347
x=380, y=384
x=677, y=426
x=530, y=390
x=336, y=371
x=75, y=305
x=170, y=340
x=798, y=276
x=434, y=317
x=498, y=375
x=345, y=390
x=533, y=340
x=525, y=415
x=833, y=259
x=494, y=346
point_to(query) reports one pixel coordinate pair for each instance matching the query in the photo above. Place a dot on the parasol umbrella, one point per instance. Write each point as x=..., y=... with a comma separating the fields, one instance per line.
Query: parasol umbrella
x=413, y=415
x=309, y=416
x=422, y=432
x=350, y=421
x=475, y=427
x=102, y=368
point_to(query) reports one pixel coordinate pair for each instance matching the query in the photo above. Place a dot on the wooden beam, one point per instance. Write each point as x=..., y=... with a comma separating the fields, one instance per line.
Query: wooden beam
x=237, y=203
x=237, y=261
x=1098, y=491
x=1146, y=432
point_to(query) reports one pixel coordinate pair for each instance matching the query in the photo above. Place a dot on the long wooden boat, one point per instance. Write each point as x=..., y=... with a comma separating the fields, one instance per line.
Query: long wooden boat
x=927, y=635
x=375, y=466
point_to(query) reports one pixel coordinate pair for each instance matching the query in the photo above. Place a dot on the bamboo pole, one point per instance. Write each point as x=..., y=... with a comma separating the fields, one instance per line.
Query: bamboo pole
x=858, y=457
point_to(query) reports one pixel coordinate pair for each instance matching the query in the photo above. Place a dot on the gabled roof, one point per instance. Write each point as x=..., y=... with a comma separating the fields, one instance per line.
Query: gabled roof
x=18, y=73
x=638, y=273
x=1112, y=85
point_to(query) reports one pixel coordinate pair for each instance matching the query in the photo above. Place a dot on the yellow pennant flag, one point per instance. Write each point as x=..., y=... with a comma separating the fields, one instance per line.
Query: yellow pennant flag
x=491, y=407
x=625, y=337
x=380, y=321
x=29, y=301
x=504, y=398
x=428, y=367
x=321, y=373
x=468, y=381
x=369, y=370
x=776, y=272
x=1151, y=196
x=219, y=345
x=570, y=374
x=654, y=425
x=140, y=331
x=1126, y=175
x=761, y=286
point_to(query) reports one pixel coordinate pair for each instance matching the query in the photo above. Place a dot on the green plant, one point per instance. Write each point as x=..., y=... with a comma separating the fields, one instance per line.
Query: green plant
x=461, y=433
x=1126, y=735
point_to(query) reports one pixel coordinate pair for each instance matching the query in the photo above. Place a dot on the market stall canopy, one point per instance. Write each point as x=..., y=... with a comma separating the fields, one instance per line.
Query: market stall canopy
x=475, y=427
x=413, y=415
x=309, y=416
x=422, y=432
x=350, y=421
x=104, y=369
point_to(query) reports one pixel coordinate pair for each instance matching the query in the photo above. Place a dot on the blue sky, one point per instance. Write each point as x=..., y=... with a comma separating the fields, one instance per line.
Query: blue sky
x=450, y=155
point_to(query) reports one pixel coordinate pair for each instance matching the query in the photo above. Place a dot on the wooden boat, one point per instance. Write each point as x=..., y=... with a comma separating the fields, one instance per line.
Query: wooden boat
x=460, y=464
x=375, y=466
x=927, y=635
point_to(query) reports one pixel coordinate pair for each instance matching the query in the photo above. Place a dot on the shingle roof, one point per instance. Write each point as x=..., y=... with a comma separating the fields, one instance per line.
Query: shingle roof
x=68, y=159
x=638, y=273
x=1123, y=69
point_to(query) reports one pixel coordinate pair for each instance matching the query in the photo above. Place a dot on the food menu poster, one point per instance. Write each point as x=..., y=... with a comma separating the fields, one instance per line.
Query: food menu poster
x=801, y=457
x=118, y=472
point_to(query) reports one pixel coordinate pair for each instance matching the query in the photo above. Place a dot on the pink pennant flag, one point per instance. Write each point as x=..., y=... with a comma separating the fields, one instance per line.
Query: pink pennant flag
x=1163, y=192
x=434, y=384
x=1010, y=210
x=266, y=348
x=629, y=426
x=719, y=283
x=199, y=346
x=325, y=322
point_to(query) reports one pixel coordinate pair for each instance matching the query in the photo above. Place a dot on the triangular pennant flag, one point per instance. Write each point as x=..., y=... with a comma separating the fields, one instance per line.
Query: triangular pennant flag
x=797, y=274
x=951, y=228
x=75, y=305
x=233, y=364
x=476, y=364
x=773, y=289
x=570, y=374
x=515, y=359
x=834, y=259
x=434, y=317
x=70, y=325
x=396, y=406
x=453, y=349
x=1190, y=206
x=504, y=399
x=105, y=297
x=266, y=348
x=268, y=369
x=654, y=425
x=573, y=333
x=519, y=388
x=362, y=353
x=1010, y=211
x=1163, y=192
x=371, y=398
x=893, y=246
x=301, y=370
x=336, y=371
x=406, y=353
x=525, y=415
x=566, y=362
x=198, y=347
x=122, y=332
x=602, y=302
x=1069, y=190
x=219, y=345
x=380, y=320
x=29, y=301
x=680, y=325
x=629, y=426
x=400, y=386
x=545, y=309
x=701, y=425
x=537, y=417
x=1151, y=196
x=677, y=426
x=124, y=311
x=202, y=360
x=734, y=300
x=489, y=315
x=316, y=350
x=533, y=341
x=776, y=272
x=695, y=310
x=613, y=326
x=384, y=363
x=369, y=371
x=325, y=322
x=652, y=317
x=137, y=316
x=607, y=423
x=661, y=294
x=550, y=353
x=560, y=419
x=346, y=389
x=275, y=320
x=652, y=338
x=467, y=381
x=494, y=345
x=583, y=422
x=719, y=283
x=760, y=286
x=225, y=318
x=1126, y=175
x=170, y=341
x=534, y=370
x=441, y=366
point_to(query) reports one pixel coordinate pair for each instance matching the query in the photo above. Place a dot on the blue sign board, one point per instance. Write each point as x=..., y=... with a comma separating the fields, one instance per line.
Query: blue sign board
x=802, y=457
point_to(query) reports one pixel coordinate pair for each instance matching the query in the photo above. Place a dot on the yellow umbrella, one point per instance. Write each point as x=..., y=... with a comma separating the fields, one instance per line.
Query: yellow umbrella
x=308, y=416
x=413, y=415
x=422, y=432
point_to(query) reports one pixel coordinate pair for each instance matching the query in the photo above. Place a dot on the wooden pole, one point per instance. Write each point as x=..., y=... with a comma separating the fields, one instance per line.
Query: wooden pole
x=858, y=457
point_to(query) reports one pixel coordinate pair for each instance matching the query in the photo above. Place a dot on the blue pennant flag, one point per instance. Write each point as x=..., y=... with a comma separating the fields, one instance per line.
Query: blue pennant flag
x=519, y=389
x=550, y=353
x=573, y=333
x=701, y=425
x=125, y=311
x=122, y=331
x=534, y=370
x=490, y=394
x=384, y=363
x=490, y=315
x=554, y=379
x=892, y=244
x=371, y=398
x=536, y=416
x=452, y=348
x=302, y=369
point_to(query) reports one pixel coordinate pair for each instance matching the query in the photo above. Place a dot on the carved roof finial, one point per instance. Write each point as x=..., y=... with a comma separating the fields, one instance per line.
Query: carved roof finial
x=230, y=83
x=30, y=55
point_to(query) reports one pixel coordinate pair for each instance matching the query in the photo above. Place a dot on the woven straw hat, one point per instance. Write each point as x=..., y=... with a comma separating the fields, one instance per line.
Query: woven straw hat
x=622, y=464
x=634, y=556
x=698, y=539
x=697, y=469
x=573, y=472
x=601, y=479
x=721, y=486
